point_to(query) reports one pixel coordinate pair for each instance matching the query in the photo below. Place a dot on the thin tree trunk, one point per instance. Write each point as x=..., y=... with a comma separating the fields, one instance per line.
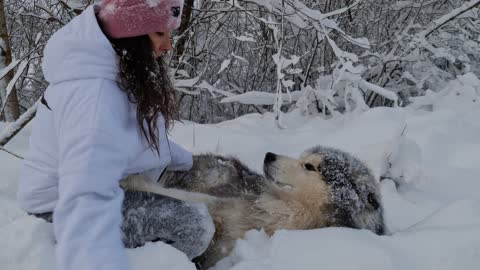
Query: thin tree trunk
x=187, y=14
x=12, y=109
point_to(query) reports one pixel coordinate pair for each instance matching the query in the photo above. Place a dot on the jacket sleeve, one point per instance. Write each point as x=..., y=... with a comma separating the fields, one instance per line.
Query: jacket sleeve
x=182, y=159
x=92, y=159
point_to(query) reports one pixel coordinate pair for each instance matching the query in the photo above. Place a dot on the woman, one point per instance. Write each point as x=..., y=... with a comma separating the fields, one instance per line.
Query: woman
x=104, y=116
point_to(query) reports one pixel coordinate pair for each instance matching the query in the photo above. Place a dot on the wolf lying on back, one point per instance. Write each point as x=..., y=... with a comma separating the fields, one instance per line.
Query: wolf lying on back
x=324, y=187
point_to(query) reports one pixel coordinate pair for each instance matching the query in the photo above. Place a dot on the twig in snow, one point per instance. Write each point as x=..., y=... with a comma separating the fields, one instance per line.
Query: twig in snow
x=11, y=153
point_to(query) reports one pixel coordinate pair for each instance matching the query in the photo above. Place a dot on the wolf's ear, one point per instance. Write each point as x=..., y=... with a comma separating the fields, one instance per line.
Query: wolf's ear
x=373, y=201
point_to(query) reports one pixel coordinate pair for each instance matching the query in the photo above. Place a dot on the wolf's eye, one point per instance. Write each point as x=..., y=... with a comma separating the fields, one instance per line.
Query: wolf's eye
x=309, y=167
x=371, y=200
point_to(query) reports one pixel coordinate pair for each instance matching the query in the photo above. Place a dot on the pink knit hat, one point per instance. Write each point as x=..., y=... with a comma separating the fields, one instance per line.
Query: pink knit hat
x=131, y=18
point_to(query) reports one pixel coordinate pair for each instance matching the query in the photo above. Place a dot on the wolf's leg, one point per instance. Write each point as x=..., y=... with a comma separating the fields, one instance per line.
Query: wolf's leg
x=150, y=217
x=217, y=176
x=138, y=182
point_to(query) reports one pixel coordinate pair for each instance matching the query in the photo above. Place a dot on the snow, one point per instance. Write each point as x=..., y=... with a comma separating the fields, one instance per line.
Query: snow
x=447, y=17
x=224, y=65
x=12, y=83
x=9, y=129
x=379, y=90
x=260, y=98
x=431, y=194
x=244, y=38
x=110, y=8
x=10, y=67
x=187, y=82
x=75, y=4
x=462, y=94
x=212, y=89
x=239, y=58
x=152, y=3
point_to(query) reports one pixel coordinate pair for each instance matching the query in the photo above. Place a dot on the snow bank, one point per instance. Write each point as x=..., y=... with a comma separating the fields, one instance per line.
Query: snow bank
x=432, y=206
x=462, y=94
x=449, y=239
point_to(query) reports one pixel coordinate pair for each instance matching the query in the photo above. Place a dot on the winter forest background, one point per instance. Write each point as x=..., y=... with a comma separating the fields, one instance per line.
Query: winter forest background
x=236, y=57
x=293, y=74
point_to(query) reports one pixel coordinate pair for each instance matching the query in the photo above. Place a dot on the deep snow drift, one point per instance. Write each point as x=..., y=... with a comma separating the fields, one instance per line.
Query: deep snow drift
x=433, y=213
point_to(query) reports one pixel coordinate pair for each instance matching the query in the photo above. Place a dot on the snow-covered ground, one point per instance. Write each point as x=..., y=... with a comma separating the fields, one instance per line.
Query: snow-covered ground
x=433, y=215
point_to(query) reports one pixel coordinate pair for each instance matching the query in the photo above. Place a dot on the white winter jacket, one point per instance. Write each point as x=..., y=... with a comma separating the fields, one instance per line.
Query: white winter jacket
x=83, y=146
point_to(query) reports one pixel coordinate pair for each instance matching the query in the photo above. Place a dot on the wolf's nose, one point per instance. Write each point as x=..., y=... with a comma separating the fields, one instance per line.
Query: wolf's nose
x=270, y=157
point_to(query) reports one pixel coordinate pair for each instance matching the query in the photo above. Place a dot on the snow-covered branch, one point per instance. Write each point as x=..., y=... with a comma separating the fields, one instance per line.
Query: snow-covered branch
x=262, y=98
x=14, y=128
x=448, y=17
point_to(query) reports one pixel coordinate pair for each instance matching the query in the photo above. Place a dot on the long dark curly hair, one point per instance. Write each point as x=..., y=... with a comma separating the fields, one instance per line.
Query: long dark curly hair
x=146, y=81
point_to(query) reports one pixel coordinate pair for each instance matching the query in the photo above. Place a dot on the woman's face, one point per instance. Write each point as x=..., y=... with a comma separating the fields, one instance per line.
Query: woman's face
x=160, y=42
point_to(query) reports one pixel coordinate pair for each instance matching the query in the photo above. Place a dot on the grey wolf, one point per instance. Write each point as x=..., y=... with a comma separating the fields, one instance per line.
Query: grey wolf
x=324, y=187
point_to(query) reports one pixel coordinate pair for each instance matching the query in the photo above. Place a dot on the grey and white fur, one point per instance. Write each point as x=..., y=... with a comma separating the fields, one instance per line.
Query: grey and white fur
x=325, y=187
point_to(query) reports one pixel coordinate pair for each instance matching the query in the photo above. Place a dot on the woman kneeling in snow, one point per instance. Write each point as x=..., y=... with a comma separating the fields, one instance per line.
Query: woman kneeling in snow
x=105, y=115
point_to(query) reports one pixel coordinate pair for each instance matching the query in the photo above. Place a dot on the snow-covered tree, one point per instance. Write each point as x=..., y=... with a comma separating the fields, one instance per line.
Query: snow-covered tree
x=236, y=57
x=8, y=93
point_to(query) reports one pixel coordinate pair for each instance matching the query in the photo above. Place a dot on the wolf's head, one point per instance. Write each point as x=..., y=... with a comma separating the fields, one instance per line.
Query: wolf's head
x=353, y=194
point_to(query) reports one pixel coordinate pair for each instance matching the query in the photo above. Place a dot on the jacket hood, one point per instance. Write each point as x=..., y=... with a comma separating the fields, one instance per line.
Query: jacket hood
x=79, y=50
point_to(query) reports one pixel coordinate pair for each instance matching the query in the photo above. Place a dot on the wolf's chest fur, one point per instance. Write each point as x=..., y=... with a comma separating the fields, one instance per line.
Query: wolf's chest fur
x=272, y=210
